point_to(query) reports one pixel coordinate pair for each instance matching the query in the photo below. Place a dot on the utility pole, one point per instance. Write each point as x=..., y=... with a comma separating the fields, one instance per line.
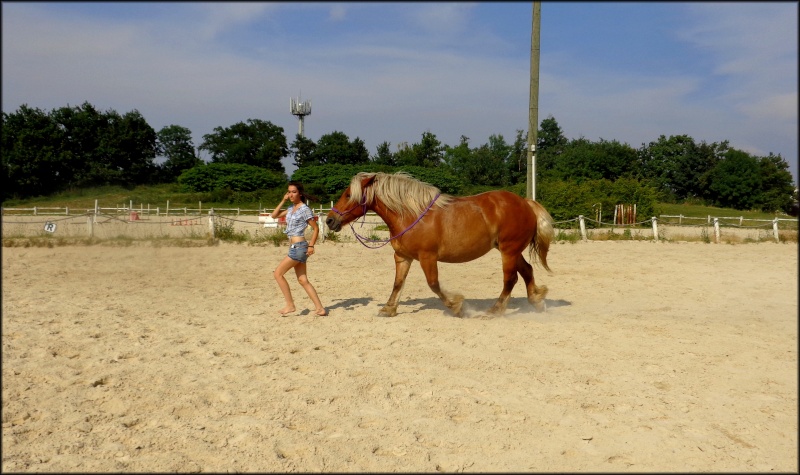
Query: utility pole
x=533, y=113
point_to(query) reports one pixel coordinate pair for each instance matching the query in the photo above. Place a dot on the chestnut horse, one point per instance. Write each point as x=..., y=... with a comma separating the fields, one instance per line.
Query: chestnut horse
x=429, y=226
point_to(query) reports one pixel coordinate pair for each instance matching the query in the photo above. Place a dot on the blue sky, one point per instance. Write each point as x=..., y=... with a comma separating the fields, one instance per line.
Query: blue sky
x=623, y=71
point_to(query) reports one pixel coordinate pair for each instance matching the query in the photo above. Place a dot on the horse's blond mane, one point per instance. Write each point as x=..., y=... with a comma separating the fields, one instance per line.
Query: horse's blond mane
x=400, y=192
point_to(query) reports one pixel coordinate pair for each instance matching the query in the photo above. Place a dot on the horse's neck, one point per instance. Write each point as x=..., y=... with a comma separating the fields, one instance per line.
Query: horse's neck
x=394, y=221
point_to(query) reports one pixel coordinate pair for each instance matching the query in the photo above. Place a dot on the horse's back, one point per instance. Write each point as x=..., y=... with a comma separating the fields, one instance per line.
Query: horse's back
x=470, y=226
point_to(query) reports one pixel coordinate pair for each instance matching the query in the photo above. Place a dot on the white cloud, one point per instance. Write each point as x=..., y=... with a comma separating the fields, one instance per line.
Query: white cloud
x=337, y=12
x=220, y=17
x=391, y=85
x=749, y=48
x=442, y=18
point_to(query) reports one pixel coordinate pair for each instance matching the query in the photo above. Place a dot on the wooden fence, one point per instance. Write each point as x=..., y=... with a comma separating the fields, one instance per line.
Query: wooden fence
x=199, y=221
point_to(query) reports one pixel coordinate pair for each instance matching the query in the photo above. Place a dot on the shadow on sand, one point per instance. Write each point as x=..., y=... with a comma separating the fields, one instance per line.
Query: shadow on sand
x=473, y=308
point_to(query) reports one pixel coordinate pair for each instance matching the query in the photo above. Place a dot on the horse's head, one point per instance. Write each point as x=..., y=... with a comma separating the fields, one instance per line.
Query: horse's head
x=352, y=203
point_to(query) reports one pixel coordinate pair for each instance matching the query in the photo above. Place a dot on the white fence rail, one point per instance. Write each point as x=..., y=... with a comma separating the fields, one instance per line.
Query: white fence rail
x=186, y=221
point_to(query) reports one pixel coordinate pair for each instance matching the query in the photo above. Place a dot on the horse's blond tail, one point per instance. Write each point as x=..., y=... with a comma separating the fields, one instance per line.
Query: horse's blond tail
x=545, y=233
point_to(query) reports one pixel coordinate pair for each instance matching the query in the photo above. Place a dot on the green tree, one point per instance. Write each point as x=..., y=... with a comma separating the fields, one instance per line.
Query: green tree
x=550, y=145
x=174, y=143
x=336, y=148
x=303, y=151
x=127, y=149
x=501, y=154
x=486, y=167
x=82, y=129
x=384, y=155
x=32, y=160
x=777, y=185
x=429, y=151
x=736, y=180
x=583, y=159
x=359, y=150
x=709, y=155
x=259, y=143
x=678, y=166
x=105, y=148
x=405, y=156
x=550, y=136
x=458, y=159
x=517, y=164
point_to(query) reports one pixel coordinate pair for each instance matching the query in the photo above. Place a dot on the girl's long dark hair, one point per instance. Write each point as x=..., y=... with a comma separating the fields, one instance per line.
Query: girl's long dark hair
x=302, y=191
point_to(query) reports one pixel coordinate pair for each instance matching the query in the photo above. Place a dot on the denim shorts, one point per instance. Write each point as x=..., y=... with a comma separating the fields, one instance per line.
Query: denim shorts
x=299, y=251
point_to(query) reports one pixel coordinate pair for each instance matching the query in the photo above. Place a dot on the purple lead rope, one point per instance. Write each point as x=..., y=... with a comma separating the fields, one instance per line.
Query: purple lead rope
x=364, y=240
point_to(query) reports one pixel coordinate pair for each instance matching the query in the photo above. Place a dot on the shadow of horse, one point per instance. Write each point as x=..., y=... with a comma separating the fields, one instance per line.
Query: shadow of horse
x=517, y=306
x=479, y=308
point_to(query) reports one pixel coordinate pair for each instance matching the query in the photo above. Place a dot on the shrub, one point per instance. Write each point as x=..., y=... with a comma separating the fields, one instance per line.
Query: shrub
x=566, y=200
x=233, y=177
x=327, y=182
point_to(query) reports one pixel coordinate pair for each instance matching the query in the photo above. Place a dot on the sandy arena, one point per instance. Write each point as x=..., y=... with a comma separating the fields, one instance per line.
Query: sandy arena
x=677, y=357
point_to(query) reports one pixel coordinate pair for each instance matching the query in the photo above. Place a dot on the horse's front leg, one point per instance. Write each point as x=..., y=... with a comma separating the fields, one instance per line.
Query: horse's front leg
x=431, y=270
x=509, y=280
x=401, y=267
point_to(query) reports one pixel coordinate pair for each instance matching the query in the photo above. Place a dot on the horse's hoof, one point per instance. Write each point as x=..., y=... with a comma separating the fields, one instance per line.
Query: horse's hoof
x=541, y=292
x=540, y=306
x=387, y=312
x=456, y=305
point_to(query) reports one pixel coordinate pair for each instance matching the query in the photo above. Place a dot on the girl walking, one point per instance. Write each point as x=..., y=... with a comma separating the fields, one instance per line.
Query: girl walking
x=298, y=217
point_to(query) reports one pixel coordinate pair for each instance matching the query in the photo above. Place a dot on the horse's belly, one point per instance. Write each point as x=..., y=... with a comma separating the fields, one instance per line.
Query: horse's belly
x=463, y=254
x=459, y=244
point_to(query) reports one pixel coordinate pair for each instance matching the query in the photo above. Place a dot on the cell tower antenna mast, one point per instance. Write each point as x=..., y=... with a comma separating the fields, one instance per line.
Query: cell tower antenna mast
x=300, y=109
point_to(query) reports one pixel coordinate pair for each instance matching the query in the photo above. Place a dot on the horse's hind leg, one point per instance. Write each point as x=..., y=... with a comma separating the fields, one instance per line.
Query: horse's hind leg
x=535, y=294
x=510, y=269
x=431, y=270
x=401, y=267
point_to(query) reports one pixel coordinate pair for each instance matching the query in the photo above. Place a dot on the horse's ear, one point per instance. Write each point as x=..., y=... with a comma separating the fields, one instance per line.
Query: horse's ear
x=365, y=182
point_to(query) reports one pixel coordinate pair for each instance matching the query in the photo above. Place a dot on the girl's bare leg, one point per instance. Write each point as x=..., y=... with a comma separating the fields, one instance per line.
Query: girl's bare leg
x=300, y=270
x=283, y=267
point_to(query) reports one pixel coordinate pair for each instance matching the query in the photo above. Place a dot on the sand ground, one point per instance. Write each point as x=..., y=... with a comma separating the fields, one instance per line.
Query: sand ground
x=650, y=357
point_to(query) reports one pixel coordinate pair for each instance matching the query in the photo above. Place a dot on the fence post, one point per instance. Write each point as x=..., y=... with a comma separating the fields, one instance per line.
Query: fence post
x=321, y=222
x=583, y=227
x=166, y=213
x=775, y=230
x=655, y=229
x=96, y=210
x=89, y=227
x=211, y=223
x=716, y=230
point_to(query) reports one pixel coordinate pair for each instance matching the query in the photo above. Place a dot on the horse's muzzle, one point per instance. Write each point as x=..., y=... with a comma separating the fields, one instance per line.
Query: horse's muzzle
x=334, y=224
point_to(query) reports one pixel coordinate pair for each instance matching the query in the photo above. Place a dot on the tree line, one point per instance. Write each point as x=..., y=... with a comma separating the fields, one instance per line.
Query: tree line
x=75, y=147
